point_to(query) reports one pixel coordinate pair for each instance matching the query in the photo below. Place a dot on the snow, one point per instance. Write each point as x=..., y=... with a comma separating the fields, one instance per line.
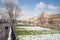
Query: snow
x=33, y=28
x=9, y=38
x=40, y=37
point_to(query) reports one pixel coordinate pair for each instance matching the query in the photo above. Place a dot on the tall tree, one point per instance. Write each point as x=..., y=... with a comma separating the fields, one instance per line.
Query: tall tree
x=13, y=11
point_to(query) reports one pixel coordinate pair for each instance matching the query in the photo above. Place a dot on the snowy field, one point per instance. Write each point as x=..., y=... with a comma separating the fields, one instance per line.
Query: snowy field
x=40, y=37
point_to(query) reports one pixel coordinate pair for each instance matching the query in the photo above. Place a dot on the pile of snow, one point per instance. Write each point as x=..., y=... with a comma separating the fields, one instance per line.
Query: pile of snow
x=9, y=38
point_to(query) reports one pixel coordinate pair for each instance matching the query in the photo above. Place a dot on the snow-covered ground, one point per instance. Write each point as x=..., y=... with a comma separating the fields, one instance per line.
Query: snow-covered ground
x=9, y=38
x=40, y=37
x=33, y=28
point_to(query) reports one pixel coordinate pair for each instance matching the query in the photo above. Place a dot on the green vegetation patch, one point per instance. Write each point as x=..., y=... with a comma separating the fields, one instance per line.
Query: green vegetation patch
x=35, y=32
x=24, y=25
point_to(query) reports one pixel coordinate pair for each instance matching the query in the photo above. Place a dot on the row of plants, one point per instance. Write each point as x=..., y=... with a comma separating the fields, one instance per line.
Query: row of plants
x=35, y=32
x=24, y=25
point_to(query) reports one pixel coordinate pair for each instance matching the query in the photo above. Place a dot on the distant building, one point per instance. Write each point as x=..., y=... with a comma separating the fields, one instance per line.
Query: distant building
x=55, y=18
x=44, y=18
x=50, y=20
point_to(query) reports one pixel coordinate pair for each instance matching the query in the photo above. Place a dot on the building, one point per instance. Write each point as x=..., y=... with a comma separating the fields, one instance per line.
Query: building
x=44, y=18
x=50, y=21
x=54, y=19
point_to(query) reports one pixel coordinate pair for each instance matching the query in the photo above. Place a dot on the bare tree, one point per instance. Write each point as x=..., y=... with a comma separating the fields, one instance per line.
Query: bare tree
x=12, y=11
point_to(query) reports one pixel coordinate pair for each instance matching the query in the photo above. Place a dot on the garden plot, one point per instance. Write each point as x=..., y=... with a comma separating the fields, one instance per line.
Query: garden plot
x=37, y=33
